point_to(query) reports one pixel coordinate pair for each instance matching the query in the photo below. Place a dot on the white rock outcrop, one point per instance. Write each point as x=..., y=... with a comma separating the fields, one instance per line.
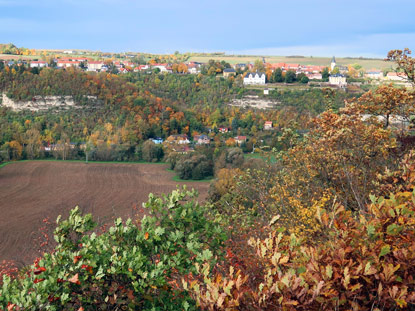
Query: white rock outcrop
x=42, y=103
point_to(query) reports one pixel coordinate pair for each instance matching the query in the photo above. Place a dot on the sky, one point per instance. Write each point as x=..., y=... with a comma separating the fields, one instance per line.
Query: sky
x=367, y=28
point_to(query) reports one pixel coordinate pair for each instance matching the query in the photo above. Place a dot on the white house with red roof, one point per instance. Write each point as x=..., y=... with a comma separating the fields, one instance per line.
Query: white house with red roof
x=38, y=64
x=314, y=76
x=123, y=70
x=129, y=64
x=95, y=65
x=141, y=67
x=294, y=67
x=396, y=76
x=240, y=139
x=193, y=68
x=268, y=125
x=67, y=64
x=162, y=67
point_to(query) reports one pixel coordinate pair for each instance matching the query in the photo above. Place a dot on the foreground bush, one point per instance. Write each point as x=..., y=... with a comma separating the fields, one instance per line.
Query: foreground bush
x=128, y=267
x=363, y=263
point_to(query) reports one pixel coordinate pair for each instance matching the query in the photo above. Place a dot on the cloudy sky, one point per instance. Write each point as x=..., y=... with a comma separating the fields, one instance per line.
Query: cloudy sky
x=268, y=27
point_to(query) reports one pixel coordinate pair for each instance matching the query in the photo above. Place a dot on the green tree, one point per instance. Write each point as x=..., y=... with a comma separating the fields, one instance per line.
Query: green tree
x=259, y=66
x=290, y=76
x=325, y=74
x=278, y=75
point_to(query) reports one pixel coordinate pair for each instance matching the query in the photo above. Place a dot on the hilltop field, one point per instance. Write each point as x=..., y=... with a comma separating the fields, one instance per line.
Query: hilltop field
x=33, y=190
x=318, y=61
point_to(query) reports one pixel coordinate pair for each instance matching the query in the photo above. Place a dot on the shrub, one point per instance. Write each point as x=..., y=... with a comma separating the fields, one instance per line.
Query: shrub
x=127, y=267
x=364, y=263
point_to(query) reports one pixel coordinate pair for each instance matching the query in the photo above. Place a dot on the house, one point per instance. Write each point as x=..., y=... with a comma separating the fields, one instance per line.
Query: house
x=193, y=67
x=240, y=66
x=240, y=139
x=314, y=76
x=396, y=76
x=295, y=67
x=95, y=65
x=182, y=149
x=128, y=64
x=67, y=64
x=374, y=74
x=38, y=64
x=312, y=69
x=278, y=65
x=141, y=67
x=201, y=139
x=75, y=59
x=178, y=139
x=162, y=67
x=338, y=79
x=157, y=140
x=268, y=125
x=266, y=91
x=254, y=78
x=123, y=70
x=223, y=130
x=343, y=69
x=68, y=52
x=229, y=72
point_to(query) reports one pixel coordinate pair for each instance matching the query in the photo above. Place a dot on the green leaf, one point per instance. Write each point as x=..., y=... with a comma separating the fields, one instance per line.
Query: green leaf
x=385, y=250
x=394, y=229
x=301, y=270
x=329, y=271
x=370, y=230
x=100, y=273
x=159, y=231
x=118, y=221
x=206, y=255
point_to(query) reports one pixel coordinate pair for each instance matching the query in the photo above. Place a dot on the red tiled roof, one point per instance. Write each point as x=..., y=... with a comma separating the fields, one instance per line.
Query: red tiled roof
x=68, y=62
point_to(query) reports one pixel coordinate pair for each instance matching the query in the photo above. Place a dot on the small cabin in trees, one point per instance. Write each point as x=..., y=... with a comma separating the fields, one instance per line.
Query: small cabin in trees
x=201, y=139
x=240, y=139
x=157, y=140
x=178, y=139
x=227, y=72
x=268, y=125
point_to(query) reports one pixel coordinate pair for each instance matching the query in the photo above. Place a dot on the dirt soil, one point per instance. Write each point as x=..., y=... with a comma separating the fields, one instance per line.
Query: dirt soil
x=31, y=191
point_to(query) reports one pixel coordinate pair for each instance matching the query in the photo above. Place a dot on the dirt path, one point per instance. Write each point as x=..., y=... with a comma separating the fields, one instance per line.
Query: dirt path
x=31, y=191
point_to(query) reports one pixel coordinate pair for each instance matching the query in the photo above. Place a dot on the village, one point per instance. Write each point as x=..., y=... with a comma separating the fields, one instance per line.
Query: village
x=251, y=74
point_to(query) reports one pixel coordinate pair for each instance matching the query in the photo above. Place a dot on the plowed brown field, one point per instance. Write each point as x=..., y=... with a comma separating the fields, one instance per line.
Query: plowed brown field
x=31, y=191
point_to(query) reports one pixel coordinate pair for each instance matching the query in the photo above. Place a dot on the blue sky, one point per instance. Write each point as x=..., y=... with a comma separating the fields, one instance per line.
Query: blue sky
x=270, y=27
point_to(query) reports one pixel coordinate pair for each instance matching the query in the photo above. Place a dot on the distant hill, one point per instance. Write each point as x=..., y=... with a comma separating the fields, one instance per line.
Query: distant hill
x=302, y=60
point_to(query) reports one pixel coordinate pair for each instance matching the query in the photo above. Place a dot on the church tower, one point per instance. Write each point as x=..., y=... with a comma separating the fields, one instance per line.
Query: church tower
x=333, y=63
